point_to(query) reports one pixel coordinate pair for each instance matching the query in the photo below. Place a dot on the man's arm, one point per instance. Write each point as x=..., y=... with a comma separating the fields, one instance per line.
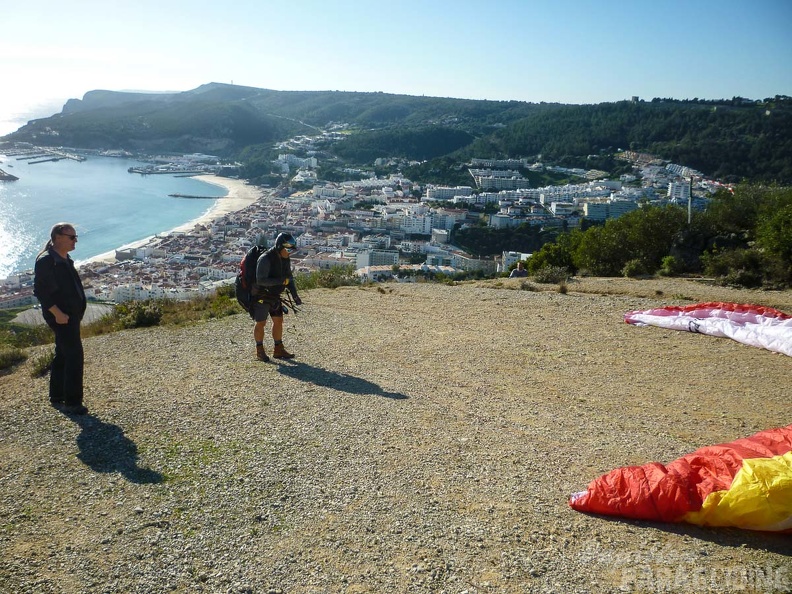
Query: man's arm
x=292, y=286
x=45, y=287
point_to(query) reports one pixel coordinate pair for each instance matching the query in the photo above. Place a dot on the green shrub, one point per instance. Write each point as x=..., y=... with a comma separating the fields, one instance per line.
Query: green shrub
x=42, y=364
x=551, y=274
x=21, y=336
x=738, y=267
x=10, y=356
x=139, y=314
x=635, y=267
x=671, y=266
x=339, y=276
x=750, y=279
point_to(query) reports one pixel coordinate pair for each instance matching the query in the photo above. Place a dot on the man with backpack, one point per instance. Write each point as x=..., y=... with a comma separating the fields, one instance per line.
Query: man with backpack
x=273, y=276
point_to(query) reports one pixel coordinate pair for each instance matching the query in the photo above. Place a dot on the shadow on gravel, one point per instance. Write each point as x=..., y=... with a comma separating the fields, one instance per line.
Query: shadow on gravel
x=105, y=448
x=331, y=379
x=725, y=537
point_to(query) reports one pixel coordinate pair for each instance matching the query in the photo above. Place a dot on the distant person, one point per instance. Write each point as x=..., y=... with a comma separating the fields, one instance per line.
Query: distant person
x=273, y=276
x=519, y=271
x=58, y=288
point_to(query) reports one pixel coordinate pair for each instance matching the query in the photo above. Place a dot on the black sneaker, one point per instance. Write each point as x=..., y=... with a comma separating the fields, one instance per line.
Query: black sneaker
x=74, y=409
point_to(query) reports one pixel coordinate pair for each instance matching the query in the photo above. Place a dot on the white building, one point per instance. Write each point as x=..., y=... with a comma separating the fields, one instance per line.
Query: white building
x=678, y=191
x=509, y=258
x=377, y=258
x=440, y=236
x=596, y=211
x=446, y=192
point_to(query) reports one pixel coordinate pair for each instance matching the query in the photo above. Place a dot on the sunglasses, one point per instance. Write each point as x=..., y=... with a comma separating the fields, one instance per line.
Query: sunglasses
x=72, y=237
x=289, y=247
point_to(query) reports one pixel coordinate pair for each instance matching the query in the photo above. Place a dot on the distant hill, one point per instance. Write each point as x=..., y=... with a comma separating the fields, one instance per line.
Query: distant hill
x=732, y=139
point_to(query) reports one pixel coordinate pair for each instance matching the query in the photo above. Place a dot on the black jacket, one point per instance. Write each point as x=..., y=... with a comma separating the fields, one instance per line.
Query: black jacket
x=56, y=282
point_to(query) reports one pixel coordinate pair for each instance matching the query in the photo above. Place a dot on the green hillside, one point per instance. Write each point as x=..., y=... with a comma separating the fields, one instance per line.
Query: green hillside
x=731, y=139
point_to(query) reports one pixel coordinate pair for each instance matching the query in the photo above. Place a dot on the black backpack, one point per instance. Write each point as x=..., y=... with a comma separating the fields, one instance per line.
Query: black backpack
x=246, y=277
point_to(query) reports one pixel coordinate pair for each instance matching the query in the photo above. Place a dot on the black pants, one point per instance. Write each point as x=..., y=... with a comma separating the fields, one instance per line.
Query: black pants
x=66, y=375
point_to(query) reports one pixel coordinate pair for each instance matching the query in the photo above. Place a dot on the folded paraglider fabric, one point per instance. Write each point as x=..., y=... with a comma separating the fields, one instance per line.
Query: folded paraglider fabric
x=753, y=325
x=746, y=483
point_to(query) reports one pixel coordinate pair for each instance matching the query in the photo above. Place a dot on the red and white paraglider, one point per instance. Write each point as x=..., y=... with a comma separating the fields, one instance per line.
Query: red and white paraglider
x=753, y=325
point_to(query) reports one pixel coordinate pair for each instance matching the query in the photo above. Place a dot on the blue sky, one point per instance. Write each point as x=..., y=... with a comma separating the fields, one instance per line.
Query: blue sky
x=528, y=50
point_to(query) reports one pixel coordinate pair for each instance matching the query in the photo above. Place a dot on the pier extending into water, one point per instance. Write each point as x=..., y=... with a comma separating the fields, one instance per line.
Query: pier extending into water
x=43, y=155
x=195, y=197
x=151, y=170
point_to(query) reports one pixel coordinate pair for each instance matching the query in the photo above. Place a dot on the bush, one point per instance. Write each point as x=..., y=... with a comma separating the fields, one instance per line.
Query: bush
x=21, y=336
x=635, y=267
x=739, y=267
x=671, y=266
x=10, y=356
x=339, y=276
x=526, y=286
x=551, y=274
x=750, y=279
x=139, y=314
x=42, y=364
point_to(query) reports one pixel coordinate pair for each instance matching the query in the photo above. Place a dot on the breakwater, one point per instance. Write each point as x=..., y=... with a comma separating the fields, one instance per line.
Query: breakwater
x=149, y=170
x=7, y=176
x=194, y=197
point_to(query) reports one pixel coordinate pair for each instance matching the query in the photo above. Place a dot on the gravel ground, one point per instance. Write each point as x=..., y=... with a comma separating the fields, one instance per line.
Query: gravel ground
x=425, y=439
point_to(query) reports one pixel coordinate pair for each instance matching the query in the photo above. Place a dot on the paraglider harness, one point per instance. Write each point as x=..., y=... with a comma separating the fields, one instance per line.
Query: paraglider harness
x=246, y=278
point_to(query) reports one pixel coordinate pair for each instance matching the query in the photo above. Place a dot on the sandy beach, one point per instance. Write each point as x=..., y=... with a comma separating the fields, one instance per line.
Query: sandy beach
x=240, y=195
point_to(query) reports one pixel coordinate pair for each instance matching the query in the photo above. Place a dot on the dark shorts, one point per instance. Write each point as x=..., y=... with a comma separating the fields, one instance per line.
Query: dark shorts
x=263, y=307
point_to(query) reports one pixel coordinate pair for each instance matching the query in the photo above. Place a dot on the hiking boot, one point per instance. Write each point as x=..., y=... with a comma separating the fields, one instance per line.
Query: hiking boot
x=261, y=354
x=281, y=352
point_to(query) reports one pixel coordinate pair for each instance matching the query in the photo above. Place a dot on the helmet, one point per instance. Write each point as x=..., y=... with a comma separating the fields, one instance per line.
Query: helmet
x=285, y=240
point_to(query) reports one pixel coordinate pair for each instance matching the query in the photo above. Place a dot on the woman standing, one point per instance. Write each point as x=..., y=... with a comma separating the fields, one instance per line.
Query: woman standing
x=58, y=288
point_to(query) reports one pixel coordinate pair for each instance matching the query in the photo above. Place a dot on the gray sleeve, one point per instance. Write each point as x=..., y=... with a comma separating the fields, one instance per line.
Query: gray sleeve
x=263, y=273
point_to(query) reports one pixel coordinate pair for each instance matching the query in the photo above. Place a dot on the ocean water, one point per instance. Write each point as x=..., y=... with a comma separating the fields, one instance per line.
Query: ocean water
x=109, y=207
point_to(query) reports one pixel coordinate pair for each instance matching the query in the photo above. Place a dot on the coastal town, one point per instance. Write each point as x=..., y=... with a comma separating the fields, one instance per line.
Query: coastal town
x=379, y=226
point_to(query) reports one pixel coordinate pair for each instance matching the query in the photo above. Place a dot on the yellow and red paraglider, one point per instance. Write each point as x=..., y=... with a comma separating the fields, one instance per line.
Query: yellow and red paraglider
x=745, y=483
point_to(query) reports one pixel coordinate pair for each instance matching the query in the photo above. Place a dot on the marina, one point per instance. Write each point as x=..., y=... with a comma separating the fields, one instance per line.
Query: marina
x=110, y=207
x=42, y=154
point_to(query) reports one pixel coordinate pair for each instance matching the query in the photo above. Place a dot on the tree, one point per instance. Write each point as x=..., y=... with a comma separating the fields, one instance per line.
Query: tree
x=602, y=251
x=559, y=253
x=642, y=237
